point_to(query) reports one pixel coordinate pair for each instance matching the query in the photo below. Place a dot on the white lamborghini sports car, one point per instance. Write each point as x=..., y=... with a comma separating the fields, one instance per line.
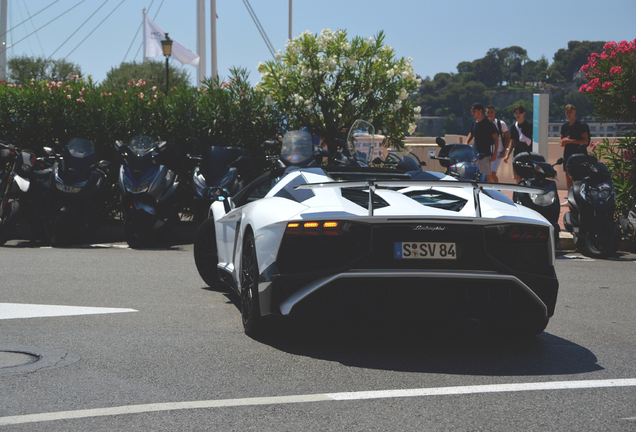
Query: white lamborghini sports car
x=338, y=239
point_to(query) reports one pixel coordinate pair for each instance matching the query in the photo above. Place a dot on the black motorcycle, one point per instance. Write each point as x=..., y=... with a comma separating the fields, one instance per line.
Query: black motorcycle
x=536, y=172
x=460, y=160
x=75, y=197
x=15, y=170
x=148, y=187
x=219, y=168
x=592, y=202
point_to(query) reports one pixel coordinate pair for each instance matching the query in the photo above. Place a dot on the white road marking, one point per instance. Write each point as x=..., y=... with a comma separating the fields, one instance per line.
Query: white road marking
x=345, y=396
x=18, y=310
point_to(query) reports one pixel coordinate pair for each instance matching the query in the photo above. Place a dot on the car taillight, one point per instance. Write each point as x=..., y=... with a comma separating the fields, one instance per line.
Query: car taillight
x=518, y=232
x=317, y=228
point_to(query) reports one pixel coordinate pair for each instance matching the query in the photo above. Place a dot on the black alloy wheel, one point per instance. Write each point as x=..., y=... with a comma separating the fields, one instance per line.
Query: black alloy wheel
x=206, y=255
x=253, y=322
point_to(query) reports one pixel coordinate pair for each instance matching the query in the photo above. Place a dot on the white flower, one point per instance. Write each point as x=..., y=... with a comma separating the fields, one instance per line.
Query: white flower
x=417, y=109
x=350, y=62
x=269, y=100
x=412, y=127
x=260, y=66
x=278, y=55
x=403, y=95
x=370, y=41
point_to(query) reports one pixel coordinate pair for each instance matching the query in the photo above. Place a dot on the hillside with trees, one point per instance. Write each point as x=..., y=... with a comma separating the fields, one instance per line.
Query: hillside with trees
x=505, y=78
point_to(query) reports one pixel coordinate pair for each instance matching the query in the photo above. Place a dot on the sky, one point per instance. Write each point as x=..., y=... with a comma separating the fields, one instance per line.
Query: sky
x=438, y=35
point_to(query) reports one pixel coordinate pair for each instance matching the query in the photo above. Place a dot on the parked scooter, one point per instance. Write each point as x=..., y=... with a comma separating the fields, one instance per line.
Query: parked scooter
x=592, y=201
x=460, y=160
x=219, y=168
x=536, y=172
x=74, y=199
x=148, y=183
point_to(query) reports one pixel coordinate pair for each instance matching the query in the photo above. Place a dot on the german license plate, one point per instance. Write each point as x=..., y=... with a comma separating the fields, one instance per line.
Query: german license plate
x=425, y=250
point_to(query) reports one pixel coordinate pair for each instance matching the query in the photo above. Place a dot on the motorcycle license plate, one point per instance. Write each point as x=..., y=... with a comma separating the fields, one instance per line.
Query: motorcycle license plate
x=425, y=250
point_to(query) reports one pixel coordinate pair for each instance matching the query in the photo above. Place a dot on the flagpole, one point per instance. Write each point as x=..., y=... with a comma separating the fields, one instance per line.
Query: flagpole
x=143, y=20
x=201, y=50
x=214, y=70
x=3, y=40
x=290, y=19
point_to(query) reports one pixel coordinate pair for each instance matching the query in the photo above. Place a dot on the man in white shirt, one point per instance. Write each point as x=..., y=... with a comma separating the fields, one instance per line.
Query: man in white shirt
x=502, y=144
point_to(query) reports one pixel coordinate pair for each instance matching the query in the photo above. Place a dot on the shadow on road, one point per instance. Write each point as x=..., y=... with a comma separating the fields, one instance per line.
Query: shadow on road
x=459, y=347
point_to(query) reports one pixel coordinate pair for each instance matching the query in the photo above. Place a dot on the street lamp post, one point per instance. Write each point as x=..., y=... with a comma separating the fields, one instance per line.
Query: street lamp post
x=166, y=46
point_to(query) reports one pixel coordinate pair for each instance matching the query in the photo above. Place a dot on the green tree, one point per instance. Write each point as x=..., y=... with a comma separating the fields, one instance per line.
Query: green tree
x=568, y=61
x=24, y=68
x=153, y=72
x=325, y=82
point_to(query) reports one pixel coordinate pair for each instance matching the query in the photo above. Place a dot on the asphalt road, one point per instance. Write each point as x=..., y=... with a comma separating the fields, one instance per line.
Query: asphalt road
x=180, y=360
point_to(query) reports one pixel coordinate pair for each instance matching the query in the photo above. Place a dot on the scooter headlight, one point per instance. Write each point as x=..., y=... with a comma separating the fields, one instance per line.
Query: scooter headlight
x=143, y=186
x=543, y=200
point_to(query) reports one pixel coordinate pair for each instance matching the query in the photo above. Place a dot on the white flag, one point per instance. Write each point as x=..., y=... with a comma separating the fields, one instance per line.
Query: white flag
x=152, y=45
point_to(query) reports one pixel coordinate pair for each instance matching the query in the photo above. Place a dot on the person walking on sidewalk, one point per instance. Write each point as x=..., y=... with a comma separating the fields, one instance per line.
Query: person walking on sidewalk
x=502, y=142
x=574, y=139
x=485, y=134
x=520, y=136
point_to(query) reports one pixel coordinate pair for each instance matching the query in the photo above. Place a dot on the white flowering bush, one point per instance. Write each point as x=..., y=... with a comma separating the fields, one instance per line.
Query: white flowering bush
x=325, y=82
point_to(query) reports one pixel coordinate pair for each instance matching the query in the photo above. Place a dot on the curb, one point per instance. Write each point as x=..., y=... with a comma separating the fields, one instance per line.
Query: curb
x=566, y=243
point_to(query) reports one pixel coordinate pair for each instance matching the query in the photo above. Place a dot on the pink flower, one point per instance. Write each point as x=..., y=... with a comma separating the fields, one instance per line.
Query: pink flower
x=628, y=155
x=616, y=70
x=594, y=145
x=583, y=88
x=68, y=96
x=607, y=85
x=80, y=100
x=585, y=67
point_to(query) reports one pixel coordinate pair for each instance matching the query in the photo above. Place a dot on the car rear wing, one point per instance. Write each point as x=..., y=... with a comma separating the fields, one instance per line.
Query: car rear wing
x=373, y=184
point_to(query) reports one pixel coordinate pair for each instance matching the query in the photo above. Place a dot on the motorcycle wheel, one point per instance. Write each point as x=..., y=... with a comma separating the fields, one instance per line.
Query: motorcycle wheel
x=137, y=235
x=8, y=221
x=603, y=241
x=205, y=254
x=58, y=234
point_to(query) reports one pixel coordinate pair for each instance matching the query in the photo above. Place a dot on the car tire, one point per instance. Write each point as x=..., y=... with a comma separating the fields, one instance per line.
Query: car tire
x=253, y=323
x=206, y=255
x=8, y=221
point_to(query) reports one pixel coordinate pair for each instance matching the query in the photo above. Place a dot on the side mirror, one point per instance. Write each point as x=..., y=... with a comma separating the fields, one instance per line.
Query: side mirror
x=440, y=141
x=423, y=163
x=269, y=145
x=49, y=151
x=340, y=143
x=119, y=145
x=559, y=161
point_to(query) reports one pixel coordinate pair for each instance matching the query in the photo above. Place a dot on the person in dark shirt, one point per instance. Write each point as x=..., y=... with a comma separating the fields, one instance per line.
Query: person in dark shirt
x=485, y=134
x=574, y=139
x=520, y=136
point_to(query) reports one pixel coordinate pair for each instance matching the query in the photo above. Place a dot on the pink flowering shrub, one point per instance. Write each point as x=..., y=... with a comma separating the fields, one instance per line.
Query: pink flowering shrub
x=611, y=85
x=612, y=88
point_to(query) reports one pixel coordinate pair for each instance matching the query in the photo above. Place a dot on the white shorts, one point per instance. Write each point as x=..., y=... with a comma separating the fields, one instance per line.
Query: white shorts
x=495, y=164
x=484, y=165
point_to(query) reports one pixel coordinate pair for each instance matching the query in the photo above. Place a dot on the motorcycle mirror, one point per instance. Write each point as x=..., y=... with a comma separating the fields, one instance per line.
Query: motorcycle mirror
x=440, y=141
x=269, y=145
x=103, y=164
x=340, y=143
x=49, y=151
x=119, y=145
x=423, y=163
x=559, y=161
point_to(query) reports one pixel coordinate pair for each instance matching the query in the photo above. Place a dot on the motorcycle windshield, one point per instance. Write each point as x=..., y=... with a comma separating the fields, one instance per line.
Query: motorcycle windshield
x=142, y=145
x=213, y=164
x=80, y=148
x=297, y=149
x=462, y=153
x=361, y=141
